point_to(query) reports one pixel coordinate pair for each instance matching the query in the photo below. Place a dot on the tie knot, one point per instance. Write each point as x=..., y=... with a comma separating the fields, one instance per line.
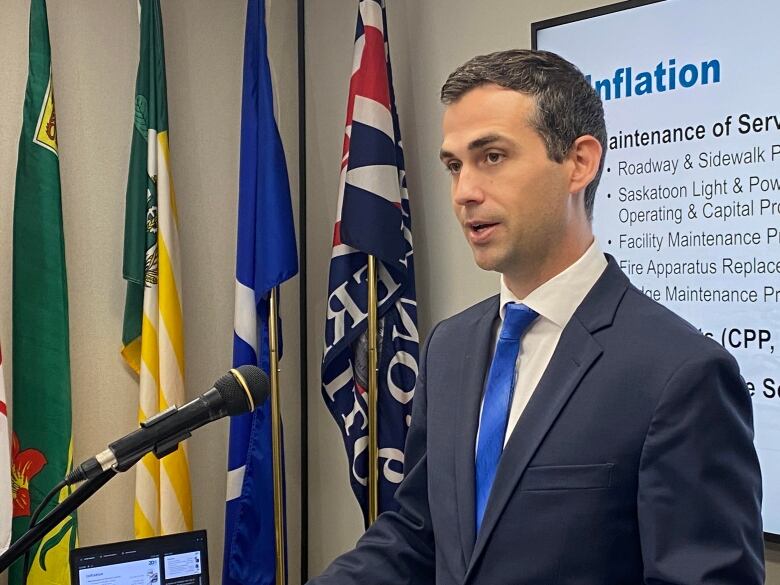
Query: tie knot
x=517, y=318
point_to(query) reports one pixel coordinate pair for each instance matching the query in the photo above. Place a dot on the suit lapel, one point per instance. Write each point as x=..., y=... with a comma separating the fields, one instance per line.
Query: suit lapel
x=478, y=343
x=576, y=352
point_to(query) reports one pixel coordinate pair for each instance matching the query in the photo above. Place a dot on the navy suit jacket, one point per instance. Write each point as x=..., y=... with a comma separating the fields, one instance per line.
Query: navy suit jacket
x=633, y=463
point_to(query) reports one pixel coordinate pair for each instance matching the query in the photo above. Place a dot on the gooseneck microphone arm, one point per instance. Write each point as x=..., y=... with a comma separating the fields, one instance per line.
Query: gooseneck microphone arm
x=240, y=391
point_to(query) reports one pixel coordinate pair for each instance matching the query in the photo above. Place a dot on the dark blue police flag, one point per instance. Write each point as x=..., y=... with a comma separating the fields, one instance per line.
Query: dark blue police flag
x=373, y=217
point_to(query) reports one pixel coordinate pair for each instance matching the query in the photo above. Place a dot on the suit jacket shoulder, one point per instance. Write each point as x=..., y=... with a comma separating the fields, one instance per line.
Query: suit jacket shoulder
x=666, y=337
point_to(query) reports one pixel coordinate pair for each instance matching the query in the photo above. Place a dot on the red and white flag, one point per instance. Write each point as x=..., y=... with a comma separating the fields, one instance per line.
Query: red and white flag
x=6, y=501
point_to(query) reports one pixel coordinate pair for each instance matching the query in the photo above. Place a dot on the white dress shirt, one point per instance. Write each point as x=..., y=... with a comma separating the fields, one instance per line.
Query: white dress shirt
x=555, y=301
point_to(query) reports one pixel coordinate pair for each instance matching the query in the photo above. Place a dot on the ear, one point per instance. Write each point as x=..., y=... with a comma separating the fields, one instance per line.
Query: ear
x=584, y=156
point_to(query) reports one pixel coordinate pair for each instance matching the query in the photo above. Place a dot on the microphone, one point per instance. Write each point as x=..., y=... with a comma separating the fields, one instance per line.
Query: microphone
x=239, y=391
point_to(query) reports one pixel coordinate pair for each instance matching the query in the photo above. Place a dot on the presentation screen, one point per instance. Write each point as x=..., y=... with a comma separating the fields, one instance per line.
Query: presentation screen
x=689, y=201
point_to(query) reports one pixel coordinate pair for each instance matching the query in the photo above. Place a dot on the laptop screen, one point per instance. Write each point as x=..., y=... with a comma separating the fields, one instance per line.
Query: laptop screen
x=177, y=559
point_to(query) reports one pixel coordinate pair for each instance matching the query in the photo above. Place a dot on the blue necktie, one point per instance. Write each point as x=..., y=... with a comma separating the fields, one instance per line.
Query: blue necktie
x=498, y=397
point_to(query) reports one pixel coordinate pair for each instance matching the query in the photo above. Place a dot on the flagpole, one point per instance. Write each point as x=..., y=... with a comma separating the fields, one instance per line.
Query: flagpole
x=276, y=443
x=373, y=395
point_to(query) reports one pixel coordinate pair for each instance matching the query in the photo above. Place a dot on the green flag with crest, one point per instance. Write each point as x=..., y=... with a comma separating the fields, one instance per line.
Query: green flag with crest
x=42, y=439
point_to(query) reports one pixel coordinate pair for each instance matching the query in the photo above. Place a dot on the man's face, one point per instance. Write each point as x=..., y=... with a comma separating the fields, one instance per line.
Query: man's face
x=510, y=198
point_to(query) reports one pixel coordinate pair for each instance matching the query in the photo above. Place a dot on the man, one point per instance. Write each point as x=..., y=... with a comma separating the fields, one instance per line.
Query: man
x=568, y=430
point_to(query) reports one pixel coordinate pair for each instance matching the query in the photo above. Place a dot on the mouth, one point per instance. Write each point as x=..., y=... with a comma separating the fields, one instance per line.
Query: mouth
x=480, y=231
x=478, y=227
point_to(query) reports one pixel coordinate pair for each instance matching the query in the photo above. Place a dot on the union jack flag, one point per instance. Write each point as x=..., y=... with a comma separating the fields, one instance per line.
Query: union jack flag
x=373, y=217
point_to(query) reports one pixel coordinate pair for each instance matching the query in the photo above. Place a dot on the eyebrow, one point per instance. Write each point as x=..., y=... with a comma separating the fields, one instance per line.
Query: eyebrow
x=475, y=144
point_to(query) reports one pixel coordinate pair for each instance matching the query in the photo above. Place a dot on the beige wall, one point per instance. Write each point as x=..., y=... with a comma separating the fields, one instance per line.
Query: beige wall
x=428, y=39
x=95, y=55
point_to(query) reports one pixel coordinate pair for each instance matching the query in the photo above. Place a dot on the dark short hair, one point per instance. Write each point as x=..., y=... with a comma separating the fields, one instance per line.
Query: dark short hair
x=567, y=107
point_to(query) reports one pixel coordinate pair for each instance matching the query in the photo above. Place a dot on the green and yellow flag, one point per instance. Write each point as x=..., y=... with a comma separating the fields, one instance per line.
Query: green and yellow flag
x=42, y=439
x=153, y=337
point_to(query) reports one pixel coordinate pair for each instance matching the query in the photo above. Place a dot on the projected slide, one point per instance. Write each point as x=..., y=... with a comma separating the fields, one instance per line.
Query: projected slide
x=689, y=201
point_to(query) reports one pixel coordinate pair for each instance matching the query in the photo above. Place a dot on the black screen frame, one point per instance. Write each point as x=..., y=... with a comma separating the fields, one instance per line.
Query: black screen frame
x=167, y=542
x=586, y=14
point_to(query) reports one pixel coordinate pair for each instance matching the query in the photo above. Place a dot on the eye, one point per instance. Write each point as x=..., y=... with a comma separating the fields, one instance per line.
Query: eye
x=494, y=157
x=453, y=166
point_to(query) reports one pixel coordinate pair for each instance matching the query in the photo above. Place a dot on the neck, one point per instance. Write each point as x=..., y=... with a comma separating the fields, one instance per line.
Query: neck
x=524, y=282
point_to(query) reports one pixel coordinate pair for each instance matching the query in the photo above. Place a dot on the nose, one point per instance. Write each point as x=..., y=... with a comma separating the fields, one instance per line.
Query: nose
x=467, y=187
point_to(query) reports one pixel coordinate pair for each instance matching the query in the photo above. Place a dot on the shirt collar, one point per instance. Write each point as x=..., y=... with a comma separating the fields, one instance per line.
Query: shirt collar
x=558, y=298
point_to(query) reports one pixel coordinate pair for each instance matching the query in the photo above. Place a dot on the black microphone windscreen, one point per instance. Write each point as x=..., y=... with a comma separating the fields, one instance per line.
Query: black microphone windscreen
x=235, y=395
x=258, y=382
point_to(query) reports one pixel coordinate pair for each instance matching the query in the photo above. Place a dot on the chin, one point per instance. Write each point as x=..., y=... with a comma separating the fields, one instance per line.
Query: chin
x=486, y=263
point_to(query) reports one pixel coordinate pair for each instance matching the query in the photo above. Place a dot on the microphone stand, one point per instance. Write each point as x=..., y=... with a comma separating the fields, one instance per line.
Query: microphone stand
x=61, y=511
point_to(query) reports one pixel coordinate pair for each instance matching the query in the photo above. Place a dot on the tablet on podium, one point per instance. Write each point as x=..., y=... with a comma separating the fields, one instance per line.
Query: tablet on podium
x=176, y=559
